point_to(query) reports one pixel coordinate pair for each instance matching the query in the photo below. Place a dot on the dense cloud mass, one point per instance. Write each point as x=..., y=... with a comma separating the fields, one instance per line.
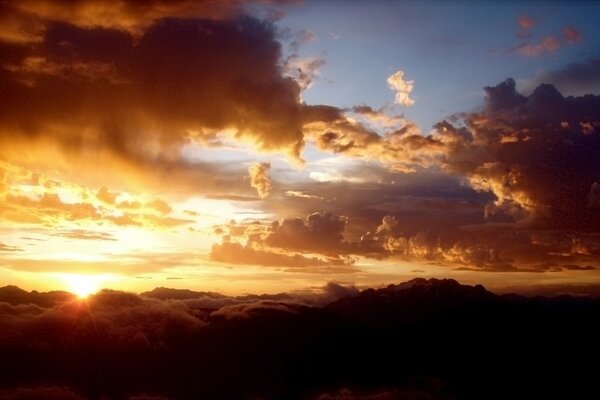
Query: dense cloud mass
x=537, y=154
x=140, y=97
x=137, y=92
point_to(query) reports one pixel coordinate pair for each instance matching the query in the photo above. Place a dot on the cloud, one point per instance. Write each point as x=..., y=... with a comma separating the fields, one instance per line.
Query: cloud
x=571, y=35
x=247, y=311
x=8, y=248
x=85, y=235
x=521, y=149
x=304, y=70
x=27, y=21
x=302, y=38
x=320, y=232
x=547, y=45
x=34, y=198
x=259, y=178
x=129, y=109
x=574, y=267
x=104, y=195
x=578, y=78
x=403, y=88
x=236, y=253
x=124, y=318
x=526, y=24
x=151, y=106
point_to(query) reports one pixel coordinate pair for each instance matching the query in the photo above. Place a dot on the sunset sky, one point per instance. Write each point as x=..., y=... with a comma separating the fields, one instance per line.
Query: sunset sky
x=269, y=146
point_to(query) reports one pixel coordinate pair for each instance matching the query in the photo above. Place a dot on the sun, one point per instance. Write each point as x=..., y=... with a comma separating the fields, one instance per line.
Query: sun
x=82, y=285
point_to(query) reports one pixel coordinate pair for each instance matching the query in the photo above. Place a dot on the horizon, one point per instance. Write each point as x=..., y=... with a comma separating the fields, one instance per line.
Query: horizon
x=583, y=290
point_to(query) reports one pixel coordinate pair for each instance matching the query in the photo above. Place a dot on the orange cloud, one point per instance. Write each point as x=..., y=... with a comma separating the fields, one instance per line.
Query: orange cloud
x=26, y=21
x=259, y=178
x=548, y=45
x=36, y=199
x=236, y=253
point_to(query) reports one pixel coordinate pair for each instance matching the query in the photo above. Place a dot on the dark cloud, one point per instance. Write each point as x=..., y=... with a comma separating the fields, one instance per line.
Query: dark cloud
x=320, y=232
x=156, y=88
x=246, y=311
x=236, y=253
x=115, y=318
x=419, y=231
x=578, y=78
x=26, y=21
x=536, y=153
x=573, y=267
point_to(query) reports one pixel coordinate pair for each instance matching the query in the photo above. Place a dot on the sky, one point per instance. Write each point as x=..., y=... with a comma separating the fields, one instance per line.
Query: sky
x=270, y=146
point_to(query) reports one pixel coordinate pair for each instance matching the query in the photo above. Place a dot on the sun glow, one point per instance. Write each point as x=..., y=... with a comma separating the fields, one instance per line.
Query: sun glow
x=84, y=285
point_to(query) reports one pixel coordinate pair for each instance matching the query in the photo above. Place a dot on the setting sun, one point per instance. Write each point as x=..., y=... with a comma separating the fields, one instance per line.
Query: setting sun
x=83, y=285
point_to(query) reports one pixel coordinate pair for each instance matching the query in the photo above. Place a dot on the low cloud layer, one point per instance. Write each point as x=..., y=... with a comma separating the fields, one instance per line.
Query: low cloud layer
x=123, y=345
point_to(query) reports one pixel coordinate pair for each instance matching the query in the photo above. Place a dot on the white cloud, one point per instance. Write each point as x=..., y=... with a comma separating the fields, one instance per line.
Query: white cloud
x=402, y=88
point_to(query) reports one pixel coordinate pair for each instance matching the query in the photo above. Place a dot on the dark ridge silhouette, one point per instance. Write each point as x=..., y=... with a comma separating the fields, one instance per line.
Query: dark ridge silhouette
x=413, y=301
x=423, y=339
x=14, y=295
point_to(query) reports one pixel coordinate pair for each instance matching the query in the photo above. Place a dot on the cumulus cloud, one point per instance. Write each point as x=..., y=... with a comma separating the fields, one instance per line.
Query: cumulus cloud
x=577, y=78
x=402, y=87
x=126, y=106
x=522, y=150
x=319, y=232
x=153, y=105
x=259, y=178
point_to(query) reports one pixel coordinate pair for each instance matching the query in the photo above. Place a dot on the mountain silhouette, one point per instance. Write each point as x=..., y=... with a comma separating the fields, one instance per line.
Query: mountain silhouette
x=425, y=339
